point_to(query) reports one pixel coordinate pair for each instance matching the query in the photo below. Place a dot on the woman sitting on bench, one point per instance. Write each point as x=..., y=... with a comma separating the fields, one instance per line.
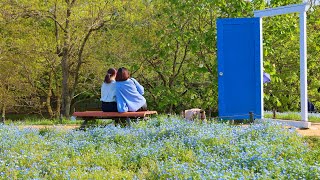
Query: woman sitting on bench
x=108, y=92
x=129, y=93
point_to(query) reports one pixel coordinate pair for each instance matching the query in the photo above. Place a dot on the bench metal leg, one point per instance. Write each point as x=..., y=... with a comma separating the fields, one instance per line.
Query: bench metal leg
x=116, y=121
x=122, y=121
x=128, y=120
x=84, y=124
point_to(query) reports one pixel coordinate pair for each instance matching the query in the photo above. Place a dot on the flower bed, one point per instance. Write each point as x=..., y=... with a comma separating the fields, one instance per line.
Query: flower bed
x=159, y=148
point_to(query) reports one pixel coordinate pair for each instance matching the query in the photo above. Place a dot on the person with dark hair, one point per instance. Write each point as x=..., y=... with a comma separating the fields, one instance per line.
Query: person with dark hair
x=311, y=107
x=108, y=92
x=129, y=93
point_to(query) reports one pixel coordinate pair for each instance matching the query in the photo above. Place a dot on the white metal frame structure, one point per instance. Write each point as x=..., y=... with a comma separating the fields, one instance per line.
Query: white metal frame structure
x=301, y=9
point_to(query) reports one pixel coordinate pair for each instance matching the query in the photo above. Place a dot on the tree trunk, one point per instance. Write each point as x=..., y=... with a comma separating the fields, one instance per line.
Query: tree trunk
x=274, y=116
x=59, y=53
x=49, y=94
x=58, y=108
x=170, y=108
x=68, y=90
x=65, y=86
x=67, y=107
x=3, y=117
x=209, y=113
x=65, y=67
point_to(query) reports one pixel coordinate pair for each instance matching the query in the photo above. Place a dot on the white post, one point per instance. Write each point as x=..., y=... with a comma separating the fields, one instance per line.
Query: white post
x=261, y=68
x=300, y=8
x=303, y=67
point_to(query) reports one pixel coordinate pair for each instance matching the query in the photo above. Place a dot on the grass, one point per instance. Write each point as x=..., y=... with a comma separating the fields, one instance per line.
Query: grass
x=29, y=121
x=161, y=148
x=37, y=121
x=314, y=142
x=18, y=119
x=313, y=117
x=34, y=119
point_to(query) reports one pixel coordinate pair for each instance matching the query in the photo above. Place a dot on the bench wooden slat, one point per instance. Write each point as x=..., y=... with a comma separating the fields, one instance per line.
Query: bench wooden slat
x=113, y=114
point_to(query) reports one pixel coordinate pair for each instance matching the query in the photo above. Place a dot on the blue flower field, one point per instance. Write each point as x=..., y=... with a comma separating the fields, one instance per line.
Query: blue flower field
x=160, y=148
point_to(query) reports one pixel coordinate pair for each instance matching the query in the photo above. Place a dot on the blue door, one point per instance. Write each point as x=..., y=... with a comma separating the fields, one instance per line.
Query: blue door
x=239, y=68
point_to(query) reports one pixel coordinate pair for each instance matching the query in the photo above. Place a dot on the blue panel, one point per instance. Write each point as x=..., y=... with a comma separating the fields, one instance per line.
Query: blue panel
x=239, y=68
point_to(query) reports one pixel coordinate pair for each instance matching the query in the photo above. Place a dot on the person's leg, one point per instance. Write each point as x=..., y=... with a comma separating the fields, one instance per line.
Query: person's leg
x=143, y=108
x=104, y=106
x=109, y=107
x=113, y=107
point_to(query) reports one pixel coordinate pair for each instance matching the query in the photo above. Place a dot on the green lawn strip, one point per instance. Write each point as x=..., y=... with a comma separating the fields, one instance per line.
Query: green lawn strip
x=292, y=116
x=55, y=122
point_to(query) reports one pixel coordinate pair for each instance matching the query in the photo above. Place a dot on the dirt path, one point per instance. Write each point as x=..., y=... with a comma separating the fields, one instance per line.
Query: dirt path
x=314, y=130
x=66, y=127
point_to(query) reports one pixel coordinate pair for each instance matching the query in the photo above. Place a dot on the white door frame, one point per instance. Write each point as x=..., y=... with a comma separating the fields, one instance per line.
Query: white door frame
x=301, y=9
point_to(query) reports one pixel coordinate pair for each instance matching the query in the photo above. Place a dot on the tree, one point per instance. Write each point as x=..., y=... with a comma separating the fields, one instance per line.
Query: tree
x=74, y=23
x=15, y=87
x=313, y=48
x=177, y=41
x=60, y=51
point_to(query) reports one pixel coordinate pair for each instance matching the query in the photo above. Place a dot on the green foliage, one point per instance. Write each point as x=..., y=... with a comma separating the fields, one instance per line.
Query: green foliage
x=45, y=131
x=169, y=46
x=313, y=56
x=282, y=60
x=179, y=48
x=313, y=142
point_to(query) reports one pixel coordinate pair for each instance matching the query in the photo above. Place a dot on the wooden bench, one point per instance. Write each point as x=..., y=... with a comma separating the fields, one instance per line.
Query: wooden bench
x=92, y=115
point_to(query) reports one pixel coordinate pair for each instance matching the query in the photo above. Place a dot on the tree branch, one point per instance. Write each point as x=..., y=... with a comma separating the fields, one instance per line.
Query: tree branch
x=182, y=62
x=56, y=22
x=159, y=73
x=80, y=52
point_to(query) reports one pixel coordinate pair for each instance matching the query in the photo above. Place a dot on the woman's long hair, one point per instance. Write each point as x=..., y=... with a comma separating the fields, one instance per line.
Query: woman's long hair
x=122, y=74
x=111, y=72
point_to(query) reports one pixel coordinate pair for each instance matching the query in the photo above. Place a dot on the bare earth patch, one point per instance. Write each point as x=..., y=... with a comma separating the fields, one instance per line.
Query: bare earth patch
x=314, y=130
x=66, y=127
